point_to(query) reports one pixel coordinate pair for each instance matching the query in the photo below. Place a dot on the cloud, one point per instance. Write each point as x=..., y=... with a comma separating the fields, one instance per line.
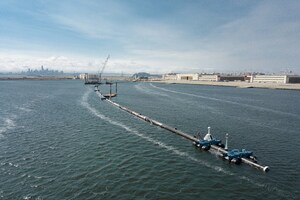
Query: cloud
x=261, y=36
x=19, y=63
x=103, y=20
x=266, y=38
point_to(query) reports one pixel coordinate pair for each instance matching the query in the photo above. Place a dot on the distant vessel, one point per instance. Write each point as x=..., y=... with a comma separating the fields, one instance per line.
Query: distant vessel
x=96, y=80
x=93, y=82
x=110, y=95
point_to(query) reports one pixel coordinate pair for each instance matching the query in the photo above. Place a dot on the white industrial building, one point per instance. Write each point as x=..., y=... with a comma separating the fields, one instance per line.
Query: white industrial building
x=82, y=76
x=209, y=77
x=87, y=76
x=170, y=76
x=188, y=77
x=283, y=79
x=269, y=79
x=198, y=77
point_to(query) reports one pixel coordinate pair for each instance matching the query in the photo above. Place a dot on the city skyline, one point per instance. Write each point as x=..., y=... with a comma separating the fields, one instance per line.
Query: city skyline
x=151, y=36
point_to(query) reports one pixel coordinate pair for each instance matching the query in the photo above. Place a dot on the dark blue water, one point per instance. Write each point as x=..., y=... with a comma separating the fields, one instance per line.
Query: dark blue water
x=58, y=140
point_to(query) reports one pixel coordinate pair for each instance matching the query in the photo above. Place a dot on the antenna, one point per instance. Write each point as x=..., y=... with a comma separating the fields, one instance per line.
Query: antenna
x=226, y=142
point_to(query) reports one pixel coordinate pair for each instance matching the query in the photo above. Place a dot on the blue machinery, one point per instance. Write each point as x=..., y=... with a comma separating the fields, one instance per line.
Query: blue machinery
x=207, y=143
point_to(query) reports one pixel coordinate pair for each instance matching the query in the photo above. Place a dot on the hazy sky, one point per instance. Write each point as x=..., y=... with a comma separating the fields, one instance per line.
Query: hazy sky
x=156, y=36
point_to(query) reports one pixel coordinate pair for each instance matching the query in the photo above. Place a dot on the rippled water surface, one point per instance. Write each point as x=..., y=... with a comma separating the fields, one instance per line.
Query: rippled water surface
x=58, y=140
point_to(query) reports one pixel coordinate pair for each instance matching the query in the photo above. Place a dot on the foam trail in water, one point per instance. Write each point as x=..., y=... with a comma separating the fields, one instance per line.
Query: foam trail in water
x=152, y=92
x=230, y=102
x=8, y=124
x=281, y=193
x=24, y=108
x=156, y=142
x=146, y=90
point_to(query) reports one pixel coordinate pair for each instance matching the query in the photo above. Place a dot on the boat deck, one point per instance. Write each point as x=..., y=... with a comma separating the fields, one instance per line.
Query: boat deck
x=110, y=95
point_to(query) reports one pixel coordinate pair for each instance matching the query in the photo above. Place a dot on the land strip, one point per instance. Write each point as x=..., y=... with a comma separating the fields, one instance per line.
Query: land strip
x=239, y=84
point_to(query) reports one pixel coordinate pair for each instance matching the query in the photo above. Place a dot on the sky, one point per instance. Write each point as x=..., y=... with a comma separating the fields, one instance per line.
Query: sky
x=154, y=36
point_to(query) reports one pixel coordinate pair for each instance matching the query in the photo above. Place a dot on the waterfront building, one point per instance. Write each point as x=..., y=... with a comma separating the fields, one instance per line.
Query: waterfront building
x=196, y=77
x=169, y=76
x=82, y=76
x=283, y=79
x=294, y=79
x=228, y=78
x=188, y=77
x=275, y=79
x=87, y=76
x=269, y=79
x=209, y=77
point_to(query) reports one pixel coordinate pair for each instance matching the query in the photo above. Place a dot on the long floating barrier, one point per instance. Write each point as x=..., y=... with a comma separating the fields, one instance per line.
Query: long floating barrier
x=185, y=135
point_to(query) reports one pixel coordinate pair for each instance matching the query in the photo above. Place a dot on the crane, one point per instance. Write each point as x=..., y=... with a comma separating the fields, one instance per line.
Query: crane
x=110, y=95
x=103, y=67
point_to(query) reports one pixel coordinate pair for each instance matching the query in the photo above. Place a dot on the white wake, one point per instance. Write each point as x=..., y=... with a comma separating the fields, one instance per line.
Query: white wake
x=229, y=102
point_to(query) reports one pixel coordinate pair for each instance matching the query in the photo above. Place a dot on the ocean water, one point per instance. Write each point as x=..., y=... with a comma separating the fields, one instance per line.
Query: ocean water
x=58, y=140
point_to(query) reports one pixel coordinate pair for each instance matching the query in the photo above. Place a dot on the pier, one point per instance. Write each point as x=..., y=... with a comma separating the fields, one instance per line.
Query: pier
x=218, y=149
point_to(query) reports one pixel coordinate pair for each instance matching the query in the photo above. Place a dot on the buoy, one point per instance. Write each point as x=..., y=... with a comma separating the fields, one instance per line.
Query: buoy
x=266, y=168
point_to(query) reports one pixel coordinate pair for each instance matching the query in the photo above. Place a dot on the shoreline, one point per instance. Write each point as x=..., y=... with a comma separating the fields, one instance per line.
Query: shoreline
x=237, y=84
x=277, y=86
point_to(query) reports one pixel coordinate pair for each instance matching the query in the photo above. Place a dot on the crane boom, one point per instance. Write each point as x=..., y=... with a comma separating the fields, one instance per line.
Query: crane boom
x=103, y=67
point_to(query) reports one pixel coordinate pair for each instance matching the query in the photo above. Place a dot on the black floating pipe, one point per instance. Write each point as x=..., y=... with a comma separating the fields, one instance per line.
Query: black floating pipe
x=185, y=135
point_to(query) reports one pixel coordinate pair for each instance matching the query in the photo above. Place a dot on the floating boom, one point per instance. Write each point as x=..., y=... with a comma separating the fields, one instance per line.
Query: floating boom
x=185, y=135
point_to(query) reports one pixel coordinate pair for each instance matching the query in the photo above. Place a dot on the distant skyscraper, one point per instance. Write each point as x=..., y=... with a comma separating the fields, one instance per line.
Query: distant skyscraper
x=42, y=68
